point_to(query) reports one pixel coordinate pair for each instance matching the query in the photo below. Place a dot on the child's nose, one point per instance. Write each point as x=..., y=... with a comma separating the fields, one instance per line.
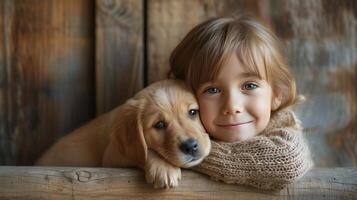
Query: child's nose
x=233, y=105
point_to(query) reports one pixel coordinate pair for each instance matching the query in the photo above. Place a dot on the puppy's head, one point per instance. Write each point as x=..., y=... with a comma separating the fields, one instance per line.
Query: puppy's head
x=171, y=125
x=163, y=117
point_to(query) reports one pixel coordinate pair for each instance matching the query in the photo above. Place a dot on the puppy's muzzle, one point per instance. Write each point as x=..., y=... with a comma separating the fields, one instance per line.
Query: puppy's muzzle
x=189, y=147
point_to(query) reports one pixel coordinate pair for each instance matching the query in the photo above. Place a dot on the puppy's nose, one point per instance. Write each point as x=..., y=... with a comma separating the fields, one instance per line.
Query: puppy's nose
x=189, y=146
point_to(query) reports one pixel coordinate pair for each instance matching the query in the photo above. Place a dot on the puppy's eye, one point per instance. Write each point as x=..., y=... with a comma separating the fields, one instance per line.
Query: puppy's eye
x=160, y=125
x=193, y=112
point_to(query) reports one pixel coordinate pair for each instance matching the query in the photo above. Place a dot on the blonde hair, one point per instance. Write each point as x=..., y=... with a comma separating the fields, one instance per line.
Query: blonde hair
x=199, y=56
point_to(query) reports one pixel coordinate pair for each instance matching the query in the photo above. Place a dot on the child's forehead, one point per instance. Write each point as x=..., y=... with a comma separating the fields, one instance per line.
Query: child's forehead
x=254, y=56
x=240, y=67
x=237, y=71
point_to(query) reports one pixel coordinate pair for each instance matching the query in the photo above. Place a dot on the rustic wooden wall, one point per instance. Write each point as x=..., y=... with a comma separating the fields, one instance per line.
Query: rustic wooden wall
x=46, y=65
x=119, y=51
x=322, y=45
x=63, y=62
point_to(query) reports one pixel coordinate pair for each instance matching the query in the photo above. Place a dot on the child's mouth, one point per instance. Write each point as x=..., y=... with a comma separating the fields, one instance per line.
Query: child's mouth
x=234, y=125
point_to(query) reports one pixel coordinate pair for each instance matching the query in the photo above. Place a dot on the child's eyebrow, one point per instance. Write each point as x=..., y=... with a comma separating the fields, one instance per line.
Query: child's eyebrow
x=248, y=75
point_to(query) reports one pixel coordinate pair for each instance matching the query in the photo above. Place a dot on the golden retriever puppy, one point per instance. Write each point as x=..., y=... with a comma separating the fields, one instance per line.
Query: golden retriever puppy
x=158, y=130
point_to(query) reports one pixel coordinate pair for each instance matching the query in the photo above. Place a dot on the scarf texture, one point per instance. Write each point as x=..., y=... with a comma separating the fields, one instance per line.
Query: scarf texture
x=270, y=161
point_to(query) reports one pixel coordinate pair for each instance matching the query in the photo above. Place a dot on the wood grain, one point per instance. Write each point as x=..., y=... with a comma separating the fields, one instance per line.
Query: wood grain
x=106, y=183
x=60, y=64
x=46, y=66
x=321, y=43
x=169, y=21
x=119, y=51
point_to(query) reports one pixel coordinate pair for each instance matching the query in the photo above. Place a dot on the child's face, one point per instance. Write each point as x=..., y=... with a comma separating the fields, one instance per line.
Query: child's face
x=237, y=105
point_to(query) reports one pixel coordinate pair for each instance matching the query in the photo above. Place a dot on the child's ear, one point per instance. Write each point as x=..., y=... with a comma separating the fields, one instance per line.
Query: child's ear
x=276, y=101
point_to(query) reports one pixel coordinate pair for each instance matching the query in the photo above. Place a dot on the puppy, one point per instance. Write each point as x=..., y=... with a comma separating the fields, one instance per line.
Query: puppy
x=158, y=130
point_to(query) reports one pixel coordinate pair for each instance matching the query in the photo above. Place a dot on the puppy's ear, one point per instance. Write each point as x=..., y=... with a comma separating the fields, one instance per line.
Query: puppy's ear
x=127, y=146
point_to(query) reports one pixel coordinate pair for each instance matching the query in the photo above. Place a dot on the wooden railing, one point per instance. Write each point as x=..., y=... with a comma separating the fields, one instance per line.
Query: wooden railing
x=109, y=183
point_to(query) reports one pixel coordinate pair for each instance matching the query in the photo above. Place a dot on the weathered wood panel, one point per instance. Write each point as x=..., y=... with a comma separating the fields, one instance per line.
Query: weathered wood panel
x=321, y=41
x=169, y=21
x=119, y=51
x=46, y=73
x=321, y=38
x=49, y=84
x=91, y=183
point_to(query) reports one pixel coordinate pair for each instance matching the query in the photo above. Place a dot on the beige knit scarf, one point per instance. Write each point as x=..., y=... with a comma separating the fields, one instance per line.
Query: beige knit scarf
x=272, y=160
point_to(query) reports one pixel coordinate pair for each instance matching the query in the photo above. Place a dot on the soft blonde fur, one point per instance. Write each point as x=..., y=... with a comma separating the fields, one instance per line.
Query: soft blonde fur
x=126, y=136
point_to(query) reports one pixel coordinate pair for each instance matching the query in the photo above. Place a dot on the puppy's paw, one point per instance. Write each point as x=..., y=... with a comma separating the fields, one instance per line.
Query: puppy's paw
x=162, y=174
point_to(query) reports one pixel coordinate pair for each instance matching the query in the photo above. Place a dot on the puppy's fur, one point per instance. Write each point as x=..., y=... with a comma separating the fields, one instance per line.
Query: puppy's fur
x=157, y=130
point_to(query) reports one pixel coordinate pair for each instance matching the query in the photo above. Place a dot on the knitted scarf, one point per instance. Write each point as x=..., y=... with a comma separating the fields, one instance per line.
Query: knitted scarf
x=270, y=161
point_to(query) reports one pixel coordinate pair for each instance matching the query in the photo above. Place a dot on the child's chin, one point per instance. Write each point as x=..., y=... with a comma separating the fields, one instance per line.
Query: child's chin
x=237, y=137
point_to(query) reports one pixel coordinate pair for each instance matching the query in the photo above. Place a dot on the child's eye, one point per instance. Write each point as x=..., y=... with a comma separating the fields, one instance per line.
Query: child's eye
x=250, y=86
x=212, y=90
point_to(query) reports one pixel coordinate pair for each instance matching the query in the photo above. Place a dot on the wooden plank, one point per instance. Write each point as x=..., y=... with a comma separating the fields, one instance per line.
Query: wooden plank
x=5, y=10
x=119, y=51
x=169, y=21
x=106, y=183
x=47, y=74
x=320, y=38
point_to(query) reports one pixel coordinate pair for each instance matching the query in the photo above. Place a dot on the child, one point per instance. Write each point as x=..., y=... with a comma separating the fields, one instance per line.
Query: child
x=239, y=74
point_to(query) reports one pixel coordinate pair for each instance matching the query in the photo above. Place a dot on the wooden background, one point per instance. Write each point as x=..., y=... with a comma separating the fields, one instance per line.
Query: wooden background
x=62, y=62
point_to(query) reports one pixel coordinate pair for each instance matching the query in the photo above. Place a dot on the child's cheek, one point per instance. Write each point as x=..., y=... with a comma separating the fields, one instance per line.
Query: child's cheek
x=262, y=111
